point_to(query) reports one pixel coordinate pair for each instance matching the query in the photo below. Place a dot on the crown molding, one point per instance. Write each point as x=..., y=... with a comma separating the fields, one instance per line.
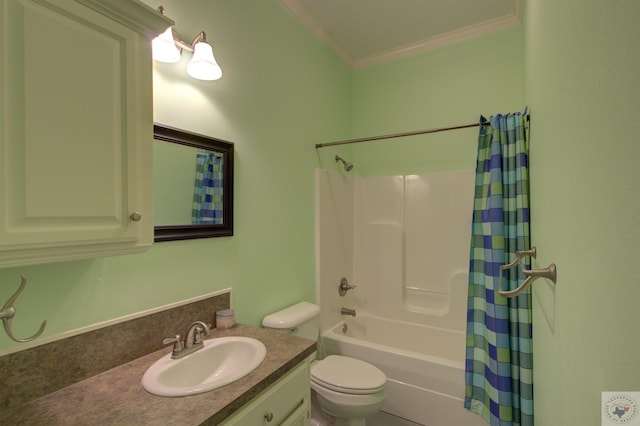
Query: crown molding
x=300, y=12
x=465, y=33
x=132, y=13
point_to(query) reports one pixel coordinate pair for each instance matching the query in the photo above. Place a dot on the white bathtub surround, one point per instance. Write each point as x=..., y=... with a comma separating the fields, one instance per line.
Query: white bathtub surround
x=334, y=241
x=404, y=241
x=412, y=246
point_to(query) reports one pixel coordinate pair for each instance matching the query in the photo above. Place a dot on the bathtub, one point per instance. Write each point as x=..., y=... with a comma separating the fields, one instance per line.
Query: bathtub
x=424, y=367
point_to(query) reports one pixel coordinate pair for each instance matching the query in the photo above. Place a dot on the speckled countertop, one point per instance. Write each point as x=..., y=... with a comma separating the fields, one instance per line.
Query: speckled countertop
x=116, y=397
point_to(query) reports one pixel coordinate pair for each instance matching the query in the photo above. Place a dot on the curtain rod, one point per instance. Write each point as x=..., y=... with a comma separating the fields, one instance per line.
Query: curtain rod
x=399, y=135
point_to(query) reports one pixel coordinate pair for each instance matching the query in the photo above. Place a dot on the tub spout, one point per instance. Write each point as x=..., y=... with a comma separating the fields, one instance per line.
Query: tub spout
x=347, y=311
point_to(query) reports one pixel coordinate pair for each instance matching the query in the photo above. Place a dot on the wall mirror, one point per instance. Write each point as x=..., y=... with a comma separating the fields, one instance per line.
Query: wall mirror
x=193, y=185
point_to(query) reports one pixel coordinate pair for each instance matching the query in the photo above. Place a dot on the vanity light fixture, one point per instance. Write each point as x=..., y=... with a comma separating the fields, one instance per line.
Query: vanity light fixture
x=167, y=47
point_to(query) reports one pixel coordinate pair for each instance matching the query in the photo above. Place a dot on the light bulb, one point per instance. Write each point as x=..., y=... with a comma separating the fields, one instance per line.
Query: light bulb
x=164, y=47
x=203, y=65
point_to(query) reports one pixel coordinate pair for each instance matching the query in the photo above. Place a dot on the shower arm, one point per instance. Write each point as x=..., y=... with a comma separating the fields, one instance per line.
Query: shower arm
x=347, y=166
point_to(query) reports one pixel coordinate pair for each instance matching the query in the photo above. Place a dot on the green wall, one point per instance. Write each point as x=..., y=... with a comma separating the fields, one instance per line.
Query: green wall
x=449, y=86
x=581, y=82
x=281, y=92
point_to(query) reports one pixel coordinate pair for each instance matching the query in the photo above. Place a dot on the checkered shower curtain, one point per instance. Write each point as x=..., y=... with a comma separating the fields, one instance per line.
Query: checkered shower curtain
x=208, y=191
x=499, y=374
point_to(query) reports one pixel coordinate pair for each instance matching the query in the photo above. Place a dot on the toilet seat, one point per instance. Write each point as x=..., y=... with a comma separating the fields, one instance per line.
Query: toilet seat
x=347, y=375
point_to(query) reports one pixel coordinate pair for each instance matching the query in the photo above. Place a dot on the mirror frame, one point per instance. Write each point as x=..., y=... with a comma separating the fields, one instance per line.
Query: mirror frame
x=187, y=232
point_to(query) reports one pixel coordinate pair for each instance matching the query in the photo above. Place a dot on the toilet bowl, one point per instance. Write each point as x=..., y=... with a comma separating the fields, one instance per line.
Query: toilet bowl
x=346, y=389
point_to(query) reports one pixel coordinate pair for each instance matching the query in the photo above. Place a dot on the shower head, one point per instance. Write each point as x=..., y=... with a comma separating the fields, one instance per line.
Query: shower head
x=347, y=166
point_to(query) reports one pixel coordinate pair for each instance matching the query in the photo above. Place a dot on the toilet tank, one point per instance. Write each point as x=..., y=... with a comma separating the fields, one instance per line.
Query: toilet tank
x=301, y=319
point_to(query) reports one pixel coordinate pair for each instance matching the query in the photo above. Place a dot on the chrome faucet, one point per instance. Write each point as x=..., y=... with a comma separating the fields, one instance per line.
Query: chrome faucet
x=193, y=342
x=347, y=311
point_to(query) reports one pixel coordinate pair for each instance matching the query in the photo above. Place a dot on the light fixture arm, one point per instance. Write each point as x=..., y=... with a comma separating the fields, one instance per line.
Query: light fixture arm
x=202, y=36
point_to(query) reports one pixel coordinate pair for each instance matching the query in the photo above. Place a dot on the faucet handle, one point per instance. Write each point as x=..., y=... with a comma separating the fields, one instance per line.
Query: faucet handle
x=195, y=333
x=199, y=332
x=177, y=344
x=344, y=286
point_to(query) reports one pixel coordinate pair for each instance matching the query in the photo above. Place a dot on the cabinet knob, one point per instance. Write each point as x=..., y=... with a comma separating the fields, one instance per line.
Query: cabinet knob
x=135, y=216
x=268, y=416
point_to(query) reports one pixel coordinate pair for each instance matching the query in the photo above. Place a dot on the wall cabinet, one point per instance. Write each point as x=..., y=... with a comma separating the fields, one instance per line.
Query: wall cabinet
x=287, y=402
x=76, y=129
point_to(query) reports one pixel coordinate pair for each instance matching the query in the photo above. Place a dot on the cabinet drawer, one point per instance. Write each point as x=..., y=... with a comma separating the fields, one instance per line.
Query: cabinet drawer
x=286, y=402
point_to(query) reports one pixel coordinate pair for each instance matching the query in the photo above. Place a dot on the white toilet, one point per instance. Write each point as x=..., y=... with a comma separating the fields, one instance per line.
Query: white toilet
x=346, y=389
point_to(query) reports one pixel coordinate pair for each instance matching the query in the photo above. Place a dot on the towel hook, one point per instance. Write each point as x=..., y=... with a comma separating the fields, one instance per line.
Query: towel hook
x=8, y=312
x=519, y=255
x=532, y=274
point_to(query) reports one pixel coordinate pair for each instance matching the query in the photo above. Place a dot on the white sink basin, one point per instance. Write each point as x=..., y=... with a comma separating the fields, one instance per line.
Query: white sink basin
x=222, y=361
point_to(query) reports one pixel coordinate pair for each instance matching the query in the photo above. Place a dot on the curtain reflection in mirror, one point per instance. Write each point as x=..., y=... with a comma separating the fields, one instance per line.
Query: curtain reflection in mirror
x=208, y=189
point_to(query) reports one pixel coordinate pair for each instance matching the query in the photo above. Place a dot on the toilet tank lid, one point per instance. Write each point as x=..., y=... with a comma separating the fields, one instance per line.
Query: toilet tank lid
x=292, y=316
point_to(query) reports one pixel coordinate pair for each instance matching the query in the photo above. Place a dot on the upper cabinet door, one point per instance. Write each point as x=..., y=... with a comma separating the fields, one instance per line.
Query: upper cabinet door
x=76, y=133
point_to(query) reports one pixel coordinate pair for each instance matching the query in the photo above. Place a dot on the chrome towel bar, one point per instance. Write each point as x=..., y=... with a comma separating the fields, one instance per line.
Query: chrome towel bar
x=532, y=274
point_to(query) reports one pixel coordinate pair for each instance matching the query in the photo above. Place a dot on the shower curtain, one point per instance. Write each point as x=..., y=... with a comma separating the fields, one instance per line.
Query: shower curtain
x=207, y=194
x=499, y=374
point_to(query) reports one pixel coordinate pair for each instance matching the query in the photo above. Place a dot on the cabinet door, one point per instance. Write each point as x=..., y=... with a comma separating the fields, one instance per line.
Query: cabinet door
x=300, y=417
x=76, y=139
x=286, y=402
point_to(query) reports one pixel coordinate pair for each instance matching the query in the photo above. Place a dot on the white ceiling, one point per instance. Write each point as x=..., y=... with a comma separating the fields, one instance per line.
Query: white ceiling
x=364, y=32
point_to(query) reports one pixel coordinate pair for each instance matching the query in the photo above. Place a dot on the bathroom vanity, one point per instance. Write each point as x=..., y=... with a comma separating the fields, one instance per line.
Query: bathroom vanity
x=286, y=402
x=277, y=392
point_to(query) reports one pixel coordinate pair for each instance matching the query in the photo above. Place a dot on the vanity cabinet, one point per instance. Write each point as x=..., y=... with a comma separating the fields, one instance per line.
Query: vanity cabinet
x=287, y=402
x=76, y=129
